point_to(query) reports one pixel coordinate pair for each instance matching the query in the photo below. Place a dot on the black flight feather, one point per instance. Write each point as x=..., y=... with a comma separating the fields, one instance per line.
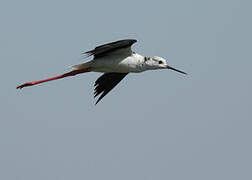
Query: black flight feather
x=105, y=49
x=105, y=83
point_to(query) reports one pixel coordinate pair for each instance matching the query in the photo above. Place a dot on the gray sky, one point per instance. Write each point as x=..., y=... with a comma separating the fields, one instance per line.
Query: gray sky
x=153, y=125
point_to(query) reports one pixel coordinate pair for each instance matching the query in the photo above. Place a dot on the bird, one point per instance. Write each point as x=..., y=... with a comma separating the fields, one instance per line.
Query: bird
x=115, y=60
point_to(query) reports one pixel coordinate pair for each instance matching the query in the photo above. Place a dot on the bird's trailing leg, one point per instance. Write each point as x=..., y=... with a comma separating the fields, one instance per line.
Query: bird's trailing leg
x=71, y=73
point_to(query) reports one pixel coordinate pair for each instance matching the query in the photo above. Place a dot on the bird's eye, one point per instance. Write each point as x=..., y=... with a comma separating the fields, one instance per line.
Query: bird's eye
x=160, y=62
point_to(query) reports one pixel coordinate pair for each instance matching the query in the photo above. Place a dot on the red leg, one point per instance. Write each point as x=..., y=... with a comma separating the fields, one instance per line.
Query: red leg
x=71, y=73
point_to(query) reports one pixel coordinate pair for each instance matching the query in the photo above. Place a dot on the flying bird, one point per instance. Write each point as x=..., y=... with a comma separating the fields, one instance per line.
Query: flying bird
x=115, y=60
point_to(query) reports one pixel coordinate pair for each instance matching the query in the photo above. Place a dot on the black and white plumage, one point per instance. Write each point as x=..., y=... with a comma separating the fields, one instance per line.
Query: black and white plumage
x=115, y=60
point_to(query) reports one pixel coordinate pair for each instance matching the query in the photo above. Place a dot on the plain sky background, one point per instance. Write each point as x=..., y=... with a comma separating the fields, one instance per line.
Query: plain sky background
x=153, y=125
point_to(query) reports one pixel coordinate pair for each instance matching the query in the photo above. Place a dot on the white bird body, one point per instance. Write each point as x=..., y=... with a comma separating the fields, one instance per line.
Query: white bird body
x=133, y=63
x=115, y=60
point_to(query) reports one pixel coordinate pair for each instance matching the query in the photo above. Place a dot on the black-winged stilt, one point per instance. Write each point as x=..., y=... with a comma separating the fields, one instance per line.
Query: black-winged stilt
x=115, y=60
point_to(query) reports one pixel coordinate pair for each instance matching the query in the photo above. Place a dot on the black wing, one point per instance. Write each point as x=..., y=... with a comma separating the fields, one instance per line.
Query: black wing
x=105, y=49
x=106, y=83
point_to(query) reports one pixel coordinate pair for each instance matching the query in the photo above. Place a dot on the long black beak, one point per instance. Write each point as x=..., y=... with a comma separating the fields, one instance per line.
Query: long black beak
x=169, y=67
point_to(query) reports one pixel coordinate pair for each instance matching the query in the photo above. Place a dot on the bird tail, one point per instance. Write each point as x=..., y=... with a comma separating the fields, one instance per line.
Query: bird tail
x=82, y=66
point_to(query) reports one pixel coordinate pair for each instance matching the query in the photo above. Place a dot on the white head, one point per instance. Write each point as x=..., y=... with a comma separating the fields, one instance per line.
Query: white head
x=155, y=62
